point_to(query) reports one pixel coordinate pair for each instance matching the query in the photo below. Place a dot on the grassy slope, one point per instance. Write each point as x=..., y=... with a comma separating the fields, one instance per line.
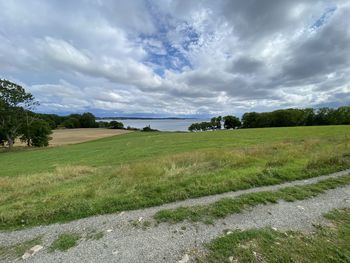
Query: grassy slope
x=144, y=169
x=136, y=146
x=327, y=244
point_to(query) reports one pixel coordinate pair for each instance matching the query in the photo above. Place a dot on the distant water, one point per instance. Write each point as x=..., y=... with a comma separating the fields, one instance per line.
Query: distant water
x=161, y=125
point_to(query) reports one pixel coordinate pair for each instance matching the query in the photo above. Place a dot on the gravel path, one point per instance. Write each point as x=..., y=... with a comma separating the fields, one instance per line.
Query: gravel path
x=125, y=242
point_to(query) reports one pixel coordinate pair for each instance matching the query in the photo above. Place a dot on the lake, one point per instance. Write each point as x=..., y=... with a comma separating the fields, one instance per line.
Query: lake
x=160, y=124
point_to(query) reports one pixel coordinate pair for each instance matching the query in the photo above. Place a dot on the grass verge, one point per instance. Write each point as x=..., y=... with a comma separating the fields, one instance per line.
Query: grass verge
x=226, y=206
x=64, y=242
x=327, y=244
x=17, y=250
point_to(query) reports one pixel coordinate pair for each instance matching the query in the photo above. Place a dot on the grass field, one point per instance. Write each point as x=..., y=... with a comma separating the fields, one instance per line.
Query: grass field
x=42, y=186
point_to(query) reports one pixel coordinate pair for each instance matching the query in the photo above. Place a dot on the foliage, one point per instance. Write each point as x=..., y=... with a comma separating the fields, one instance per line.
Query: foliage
x=2, y=138
x=297, y=117
x=72, y=121
x=88, y=120
x=201, y=126
x=52, y=119
x=37, y=133
x=231, y=122
x=14, y=104
x=148, y=129
x=279, y=118
x=216, y=122
x=116, y=125
x=132, y=128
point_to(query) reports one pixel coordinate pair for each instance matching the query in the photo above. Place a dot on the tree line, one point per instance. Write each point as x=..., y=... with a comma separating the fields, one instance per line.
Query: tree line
x=229, y=121
x=279, y=118
x=297, y=117
x=17, y=119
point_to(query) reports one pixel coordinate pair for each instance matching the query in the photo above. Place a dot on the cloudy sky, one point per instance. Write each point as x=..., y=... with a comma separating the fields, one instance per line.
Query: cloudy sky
x=177, y=58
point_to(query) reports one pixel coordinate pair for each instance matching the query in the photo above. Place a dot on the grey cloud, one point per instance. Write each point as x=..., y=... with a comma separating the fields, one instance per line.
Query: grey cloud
x=246, y=65
x=325, y=51
x=255, y=19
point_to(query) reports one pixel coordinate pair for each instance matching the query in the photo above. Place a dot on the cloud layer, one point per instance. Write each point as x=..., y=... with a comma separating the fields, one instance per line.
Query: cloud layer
x=167, y=57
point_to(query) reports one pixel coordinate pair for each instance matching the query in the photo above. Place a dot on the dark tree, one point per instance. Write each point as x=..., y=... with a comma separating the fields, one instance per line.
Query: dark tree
x=216, y=122
x=14, y=103
x=71, y=123
x=250, y=119
x=231, y=122
x=116, y=125
x=2, y=138
x=88, y=120
x=148, y=129
x=38, y=135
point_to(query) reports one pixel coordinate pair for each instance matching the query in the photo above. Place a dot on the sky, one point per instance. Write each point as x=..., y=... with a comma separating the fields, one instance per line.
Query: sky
x=161, y=58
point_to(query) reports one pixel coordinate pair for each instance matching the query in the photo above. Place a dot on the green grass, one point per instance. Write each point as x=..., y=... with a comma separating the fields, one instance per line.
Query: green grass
x=17, y=250
x=94, y=235
x=43, y=186
x=64, y=242
x=227, y=206
x=327, y=244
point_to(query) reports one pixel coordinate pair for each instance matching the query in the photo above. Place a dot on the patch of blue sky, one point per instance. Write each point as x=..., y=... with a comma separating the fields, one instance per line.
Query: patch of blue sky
x=168, y=55
x=190, y=37
x=323, y=18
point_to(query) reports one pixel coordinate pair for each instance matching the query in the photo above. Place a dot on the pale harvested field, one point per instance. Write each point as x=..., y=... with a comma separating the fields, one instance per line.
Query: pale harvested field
x=71, y=136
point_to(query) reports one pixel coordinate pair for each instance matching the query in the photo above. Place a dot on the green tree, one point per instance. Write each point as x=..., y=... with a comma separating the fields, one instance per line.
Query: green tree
x=250, y=120
x=88, y=120
x=216, y=122
x=38, y=135
x=116, y=125
x=2, y=138
x=71, y=123
x=194, y=127
x=231, y=122
x=148, y=129
x=14, y=101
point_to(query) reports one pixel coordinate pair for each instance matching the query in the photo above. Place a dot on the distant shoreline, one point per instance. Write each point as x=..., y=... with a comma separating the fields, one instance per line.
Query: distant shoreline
x=141, y=118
